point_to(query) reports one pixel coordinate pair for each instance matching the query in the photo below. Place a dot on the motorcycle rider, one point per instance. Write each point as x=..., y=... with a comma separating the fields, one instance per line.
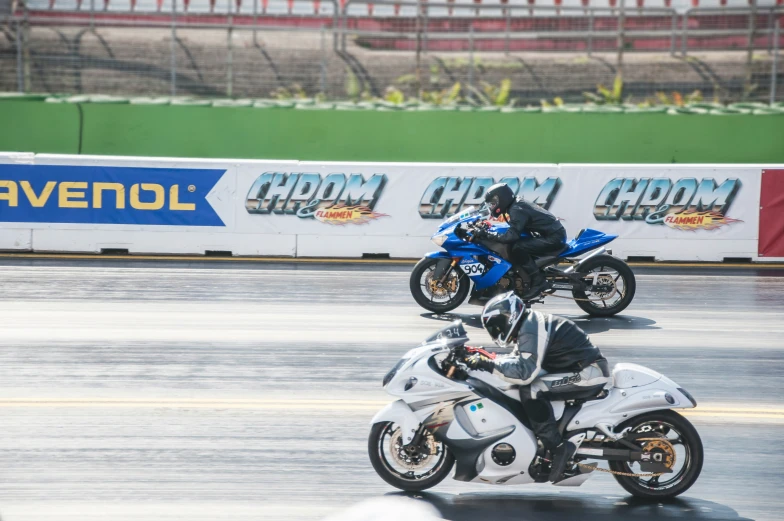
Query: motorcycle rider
x=546, y=234
x=552, y=356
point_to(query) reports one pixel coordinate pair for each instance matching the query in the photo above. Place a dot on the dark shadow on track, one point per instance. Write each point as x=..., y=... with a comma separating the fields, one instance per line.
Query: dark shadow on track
x=593, y=325
x=468, y=320
x=570, y=507
x=587, y=323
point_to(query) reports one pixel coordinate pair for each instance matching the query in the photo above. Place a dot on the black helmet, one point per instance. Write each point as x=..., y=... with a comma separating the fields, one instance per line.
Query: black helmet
x=499, y=198
x=501, y=317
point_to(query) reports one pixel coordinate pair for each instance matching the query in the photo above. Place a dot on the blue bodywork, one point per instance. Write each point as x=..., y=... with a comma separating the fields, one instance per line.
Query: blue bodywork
x=470, y=253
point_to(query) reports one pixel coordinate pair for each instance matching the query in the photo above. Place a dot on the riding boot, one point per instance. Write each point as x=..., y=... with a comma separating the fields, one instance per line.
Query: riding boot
x=543, y=423
x=563, y=453
x=538, y=284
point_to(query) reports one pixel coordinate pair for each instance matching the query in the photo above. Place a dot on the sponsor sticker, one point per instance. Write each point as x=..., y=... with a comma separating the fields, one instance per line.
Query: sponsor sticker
x=590, y=452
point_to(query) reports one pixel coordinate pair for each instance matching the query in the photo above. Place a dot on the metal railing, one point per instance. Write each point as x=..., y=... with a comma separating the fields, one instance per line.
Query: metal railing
x=501, y=28
x=697, y=28
x=678, y=31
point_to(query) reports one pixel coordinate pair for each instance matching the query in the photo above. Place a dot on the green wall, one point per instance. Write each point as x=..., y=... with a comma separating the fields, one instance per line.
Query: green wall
x=369, y=135
x=30, y=126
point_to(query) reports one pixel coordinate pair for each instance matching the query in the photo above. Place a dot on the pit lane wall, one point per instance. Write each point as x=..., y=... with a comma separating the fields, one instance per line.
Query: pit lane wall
x=60, y=203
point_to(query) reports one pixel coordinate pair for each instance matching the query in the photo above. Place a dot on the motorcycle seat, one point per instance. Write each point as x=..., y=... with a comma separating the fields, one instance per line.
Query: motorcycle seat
x=541, y=262
x=594, y=392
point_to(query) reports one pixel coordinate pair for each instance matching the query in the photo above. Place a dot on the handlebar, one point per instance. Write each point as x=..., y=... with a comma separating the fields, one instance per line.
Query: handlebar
x=454, y=364
x=451, y=364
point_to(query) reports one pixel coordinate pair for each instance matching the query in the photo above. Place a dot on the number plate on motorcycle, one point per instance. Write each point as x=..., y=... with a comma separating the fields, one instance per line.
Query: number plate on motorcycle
x=473, y=268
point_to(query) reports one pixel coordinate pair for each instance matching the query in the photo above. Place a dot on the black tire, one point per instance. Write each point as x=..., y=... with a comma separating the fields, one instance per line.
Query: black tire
x=425, y=300
x=599, y=308
x=681, y=481
x=383, y=469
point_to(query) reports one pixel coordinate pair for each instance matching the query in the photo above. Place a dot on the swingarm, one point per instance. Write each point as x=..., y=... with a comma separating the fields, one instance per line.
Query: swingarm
x=654, y=461
x=569, y=281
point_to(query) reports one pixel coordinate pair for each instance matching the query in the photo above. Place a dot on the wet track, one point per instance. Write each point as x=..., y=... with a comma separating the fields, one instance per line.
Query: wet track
x=241, y=391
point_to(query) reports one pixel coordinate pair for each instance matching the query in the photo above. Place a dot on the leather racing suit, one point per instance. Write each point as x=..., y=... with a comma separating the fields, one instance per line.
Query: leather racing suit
x=546, y=235
x=553, y=357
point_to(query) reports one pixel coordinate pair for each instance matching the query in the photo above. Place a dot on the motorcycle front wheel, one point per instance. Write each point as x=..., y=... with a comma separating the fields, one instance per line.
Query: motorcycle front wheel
x=612, y=286
x=405, y=470
x=433, y=294
x=680, y=446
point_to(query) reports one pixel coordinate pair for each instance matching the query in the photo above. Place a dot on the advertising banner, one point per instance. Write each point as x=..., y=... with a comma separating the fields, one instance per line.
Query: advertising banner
x=377, y=199
x=692, y=212
x=317, y=209
x=660, y=202
x=771, y=226
x=108, y=195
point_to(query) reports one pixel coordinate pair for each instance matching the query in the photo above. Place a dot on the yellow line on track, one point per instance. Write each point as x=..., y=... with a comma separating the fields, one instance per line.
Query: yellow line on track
x=283, y=260
x=315, y=405
x=186, y=403
x=332, y=260
x=731, y=415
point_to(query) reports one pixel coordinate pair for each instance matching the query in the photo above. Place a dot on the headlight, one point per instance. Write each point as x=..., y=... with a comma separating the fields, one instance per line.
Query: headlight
x=439, y=239
x=391, y=374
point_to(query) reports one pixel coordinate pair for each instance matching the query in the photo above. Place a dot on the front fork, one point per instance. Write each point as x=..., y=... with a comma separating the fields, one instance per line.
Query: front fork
x=447, y=271
x=415, y=446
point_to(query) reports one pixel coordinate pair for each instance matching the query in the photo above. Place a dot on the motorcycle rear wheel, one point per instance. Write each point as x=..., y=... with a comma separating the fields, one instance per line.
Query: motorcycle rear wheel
x=622, y=285
x=680, y=433
x=421, y=278
x=383, y=436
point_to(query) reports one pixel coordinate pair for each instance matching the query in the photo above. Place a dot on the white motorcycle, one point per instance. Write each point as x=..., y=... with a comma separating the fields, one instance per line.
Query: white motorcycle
x=449, y=415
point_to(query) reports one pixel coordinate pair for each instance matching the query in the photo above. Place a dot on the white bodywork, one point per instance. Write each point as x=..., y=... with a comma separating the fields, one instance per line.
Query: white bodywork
x=635, y=390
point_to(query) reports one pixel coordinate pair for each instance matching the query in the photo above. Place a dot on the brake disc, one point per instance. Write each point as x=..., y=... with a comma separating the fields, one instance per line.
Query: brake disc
x=605, y=287
x=403, y=458
x=439, y=289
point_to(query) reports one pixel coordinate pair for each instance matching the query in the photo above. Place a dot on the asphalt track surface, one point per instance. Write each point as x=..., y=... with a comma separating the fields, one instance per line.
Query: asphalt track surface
x=163, y=390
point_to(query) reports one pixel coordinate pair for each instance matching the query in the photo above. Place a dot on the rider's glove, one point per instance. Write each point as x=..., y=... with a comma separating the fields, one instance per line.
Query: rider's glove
x=461, y=233
x=480, y=362
x=480, y=233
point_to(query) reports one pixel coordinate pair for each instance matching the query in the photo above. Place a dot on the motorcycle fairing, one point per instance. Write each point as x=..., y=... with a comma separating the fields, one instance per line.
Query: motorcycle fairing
x=467, y=255
x=586, y=241
x=472, y=447
x=637, y=390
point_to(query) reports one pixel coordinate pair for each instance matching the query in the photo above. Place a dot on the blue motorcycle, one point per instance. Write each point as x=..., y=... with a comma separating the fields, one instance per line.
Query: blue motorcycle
x=602, y=285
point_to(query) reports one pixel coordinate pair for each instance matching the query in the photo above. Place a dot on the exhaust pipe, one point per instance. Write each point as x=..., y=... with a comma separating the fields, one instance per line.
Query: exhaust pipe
x=600, y=251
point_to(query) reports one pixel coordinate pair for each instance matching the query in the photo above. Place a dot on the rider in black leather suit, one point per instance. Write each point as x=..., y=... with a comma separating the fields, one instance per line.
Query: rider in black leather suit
x=546, y=234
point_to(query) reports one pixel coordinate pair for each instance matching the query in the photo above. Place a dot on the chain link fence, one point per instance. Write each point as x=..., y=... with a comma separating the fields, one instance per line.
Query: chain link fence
x=498, y=54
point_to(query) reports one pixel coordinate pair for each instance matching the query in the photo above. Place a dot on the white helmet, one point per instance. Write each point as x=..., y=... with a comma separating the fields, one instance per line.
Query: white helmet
x=502, y=315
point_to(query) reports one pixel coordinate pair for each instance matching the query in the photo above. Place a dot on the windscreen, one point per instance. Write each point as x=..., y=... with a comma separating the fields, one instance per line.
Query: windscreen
x=471, y=211
x=468, y=212
x=452, y=334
